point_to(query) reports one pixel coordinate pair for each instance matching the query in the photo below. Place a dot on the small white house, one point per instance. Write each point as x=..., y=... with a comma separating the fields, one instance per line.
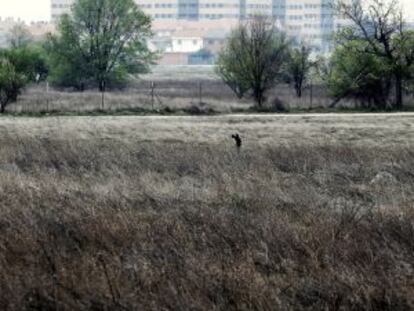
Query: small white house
x=187, y=44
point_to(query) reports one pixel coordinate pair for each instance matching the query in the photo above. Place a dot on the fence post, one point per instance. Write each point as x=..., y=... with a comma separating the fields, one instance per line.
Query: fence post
x=152, y=94
x=311, y=94
x=103, y=95
x=200, y=92
x=47, y=96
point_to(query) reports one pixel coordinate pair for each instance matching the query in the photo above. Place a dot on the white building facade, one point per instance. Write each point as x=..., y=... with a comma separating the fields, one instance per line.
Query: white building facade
x=309, y=21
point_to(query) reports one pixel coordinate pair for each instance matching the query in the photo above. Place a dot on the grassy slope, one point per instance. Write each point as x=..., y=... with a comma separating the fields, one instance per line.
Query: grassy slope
x=149, y=213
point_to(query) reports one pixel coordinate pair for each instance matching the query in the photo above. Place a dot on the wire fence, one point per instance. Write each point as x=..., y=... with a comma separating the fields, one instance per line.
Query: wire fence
x=168, y=96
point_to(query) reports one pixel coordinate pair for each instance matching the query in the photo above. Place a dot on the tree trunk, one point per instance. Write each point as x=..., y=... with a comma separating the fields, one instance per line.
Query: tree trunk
x=102, y=86
x=299, y=91
x=258, y=96
x=260, y=102
x=398, y=92
x=298, y=88
x=2, y=108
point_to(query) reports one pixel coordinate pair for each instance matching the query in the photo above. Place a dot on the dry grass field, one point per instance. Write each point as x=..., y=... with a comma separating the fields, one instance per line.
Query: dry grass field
x=163, y=213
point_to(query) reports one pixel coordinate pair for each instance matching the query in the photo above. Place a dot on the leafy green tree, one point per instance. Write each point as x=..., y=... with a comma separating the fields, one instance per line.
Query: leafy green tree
x=380, y=24
x=251, y=62
x=68, y=67
x=19, y=66
x=30, y=60
x=11, y=83
x=100, y=43
x=298, y=68
x=359, y=75
x=405, y=65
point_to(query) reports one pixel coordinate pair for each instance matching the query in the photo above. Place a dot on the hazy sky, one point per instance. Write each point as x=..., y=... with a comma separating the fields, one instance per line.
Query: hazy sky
x=33, y=10
x=29, y=10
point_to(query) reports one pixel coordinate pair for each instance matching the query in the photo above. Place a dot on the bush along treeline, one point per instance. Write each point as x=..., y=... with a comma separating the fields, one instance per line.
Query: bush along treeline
x=102, y=43
x=23, y=63
x=372, y=61
x=374, y=58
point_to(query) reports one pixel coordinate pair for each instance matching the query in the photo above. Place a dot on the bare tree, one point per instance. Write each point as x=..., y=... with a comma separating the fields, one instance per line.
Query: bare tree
x=252, y=60
x=19, y=36
x=298, y=68
x=381, y=24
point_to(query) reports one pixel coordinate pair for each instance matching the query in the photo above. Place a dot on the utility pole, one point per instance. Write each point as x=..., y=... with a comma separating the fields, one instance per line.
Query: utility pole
x=103, y=95
x=200, y=92
x=47, y=96
x=311, y=94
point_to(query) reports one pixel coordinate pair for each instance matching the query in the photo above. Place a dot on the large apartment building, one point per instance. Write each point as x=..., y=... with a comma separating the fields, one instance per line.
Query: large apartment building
x=310, y=21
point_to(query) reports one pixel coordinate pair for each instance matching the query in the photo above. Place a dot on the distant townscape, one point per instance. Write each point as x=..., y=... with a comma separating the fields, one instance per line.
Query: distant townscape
x=193, y=31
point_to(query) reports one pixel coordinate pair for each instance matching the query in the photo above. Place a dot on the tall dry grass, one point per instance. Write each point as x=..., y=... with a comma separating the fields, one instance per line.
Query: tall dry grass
x=92, y=221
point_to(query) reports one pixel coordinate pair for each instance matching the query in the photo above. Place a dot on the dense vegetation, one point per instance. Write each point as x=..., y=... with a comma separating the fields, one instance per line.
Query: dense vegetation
x=23, y=63
x=373, y=59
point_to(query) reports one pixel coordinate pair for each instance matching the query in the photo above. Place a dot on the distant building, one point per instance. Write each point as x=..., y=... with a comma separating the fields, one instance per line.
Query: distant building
x=305, y=20
x=188, y=42
x=309, y=21
x=60, y=7
x=184, y=42
x=176, y=9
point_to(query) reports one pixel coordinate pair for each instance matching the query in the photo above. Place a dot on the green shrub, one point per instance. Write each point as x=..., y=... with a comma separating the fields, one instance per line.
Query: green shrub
x=11, y=83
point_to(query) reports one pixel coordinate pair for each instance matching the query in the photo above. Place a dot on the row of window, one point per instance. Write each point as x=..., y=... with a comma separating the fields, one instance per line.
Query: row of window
x=317, y=26
x=211, y=5
x=206, y=16
x=207, y=5
x=278, y=16
x=216, y=16
x=310, y=26
x=315, y=36
x=227, y=5
x=209, y=16
x=60, y=6
x=309, y=16
x=209, y=41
